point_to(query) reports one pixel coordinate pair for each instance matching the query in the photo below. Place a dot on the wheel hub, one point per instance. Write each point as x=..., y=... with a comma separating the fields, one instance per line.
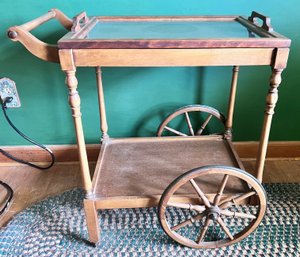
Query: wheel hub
x=213, y=212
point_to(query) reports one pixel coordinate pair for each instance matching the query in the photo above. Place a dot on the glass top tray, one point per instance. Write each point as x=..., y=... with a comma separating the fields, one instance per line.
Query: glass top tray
x=170, y=32
x=167, y=30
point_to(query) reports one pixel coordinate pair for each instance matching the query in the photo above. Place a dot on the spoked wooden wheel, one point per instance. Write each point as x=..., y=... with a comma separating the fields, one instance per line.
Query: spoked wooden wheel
x=211, y=219
x=204, y=116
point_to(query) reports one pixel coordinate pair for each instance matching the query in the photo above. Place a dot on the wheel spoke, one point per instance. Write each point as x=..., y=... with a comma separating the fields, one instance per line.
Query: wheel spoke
x=223, y=226
x=187, y=117
x=235, y=199
x=188, y=221
x=211, y=218
x=200, y=193
x=204, y=230
x=199, y=132
x=188, y=206
x=175, y=131
x=238, y=214
x=221, y=189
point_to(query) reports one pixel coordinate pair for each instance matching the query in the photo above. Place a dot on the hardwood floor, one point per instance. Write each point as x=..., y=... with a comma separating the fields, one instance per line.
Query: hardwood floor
x=31, y=186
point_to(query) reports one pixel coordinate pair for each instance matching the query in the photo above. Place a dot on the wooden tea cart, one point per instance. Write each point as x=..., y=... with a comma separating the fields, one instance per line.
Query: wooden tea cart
x=205, y=198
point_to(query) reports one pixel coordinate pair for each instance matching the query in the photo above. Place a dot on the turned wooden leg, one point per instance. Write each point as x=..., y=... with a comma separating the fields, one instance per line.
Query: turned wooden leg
x=67, y=62
x=103, y=121
x=271, y=101
x=230, y=111
x=92, y=221
x=74, y=101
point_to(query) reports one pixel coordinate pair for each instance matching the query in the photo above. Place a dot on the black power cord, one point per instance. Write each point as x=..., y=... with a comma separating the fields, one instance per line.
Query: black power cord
x=8, y=155
x=9, y=197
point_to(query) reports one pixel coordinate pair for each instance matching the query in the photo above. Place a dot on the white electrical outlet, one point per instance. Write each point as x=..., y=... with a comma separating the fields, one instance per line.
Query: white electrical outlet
x=8, y=89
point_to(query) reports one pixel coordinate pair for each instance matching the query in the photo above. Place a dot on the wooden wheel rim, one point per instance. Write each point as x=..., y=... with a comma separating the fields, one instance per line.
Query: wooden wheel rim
x=185, y=178
x=190, y=108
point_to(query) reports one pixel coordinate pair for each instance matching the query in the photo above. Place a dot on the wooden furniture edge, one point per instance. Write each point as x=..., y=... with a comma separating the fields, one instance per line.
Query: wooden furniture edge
x=276, y=149
x=171, y=57
x=168, y=18
x=79, y=43
x=68, y=153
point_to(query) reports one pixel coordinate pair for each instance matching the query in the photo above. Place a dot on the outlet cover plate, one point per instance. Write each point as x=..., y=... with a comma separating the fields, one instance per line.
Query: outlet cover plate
x=8, y=89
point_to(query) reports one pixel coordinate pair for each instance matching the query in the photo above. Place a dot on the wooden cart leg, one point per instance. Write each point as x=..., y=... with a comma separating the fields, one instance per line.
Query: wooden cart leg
x=103, y=121
x=74, y=101
x=89, y=207
x=271, y=101
x=92, y=221
x=67, y=63
x=230, y=111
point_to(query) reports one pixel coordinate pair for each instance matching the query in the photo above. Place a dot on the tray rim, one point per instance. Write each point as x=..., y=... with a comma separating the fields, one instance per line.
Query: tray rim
x=268, y=38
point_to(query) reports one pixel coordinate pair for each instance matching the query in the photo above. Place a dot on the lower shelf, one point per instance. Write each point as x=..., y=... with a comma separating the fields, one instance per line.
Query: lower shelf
x=134, y=172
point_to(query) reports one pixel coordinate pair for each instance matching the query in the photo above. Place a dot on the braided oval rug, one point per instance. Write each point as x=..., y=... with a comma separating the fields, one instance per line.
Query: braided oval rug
x=57, y=227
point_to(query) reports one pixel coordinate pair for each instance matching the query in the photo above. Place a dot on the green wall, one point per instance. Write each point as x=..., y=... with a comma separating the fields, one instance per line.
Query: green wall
x=138, y=98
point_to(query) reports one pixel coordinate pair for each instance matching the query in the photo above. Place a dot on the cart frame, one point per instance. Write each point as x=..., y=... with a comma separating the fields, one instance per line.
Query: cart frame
x=76, y=50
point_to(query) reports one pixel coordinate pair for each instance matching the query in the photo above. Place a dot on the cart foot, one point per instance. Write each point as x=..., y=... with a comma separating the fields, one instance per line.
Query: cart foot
x=92, y=244
x=92, y=221
x=206, y=219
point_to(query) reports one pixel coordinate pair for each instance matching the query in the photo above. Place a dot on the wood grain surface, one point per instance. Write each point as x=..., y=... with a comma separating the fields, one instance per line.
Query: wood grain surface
x=32, y=185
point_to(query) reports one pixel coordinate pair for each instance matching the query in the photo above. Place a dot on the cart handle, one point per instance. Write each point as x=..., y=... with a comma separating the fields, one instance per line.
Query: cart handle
x=265, y=19
x=78, y=21
x=42, y=50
